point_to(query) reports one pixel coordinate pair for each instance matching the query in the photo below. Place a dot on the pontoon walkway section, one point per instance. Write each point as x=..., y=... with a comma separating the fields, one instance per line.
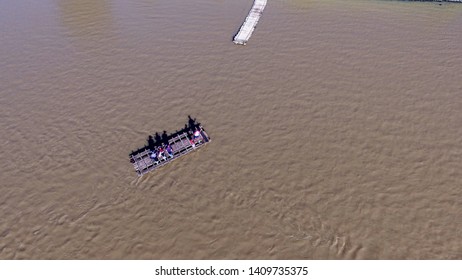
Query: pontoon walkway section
x=250, y=22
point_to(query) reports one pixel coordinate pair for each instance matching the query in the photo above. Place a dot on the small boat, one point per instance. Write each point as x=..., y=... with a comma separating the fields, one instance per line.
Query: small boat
x=179, y=144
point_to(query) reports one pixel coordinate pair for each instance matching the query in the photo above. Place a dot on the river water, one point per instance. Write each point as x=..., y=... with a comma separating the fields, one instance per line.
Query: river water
x=336, y=132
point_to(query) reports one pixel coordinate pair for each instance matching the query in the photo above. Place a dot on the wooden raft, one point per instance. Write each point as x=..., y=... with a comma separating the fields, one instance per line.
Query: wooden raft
x=180, y=145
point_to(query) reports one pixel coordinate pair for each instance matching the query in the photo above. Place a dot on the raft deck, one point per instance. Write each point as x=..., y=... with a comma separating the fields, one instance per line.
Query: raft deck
x=180, y=144
x=250, y=22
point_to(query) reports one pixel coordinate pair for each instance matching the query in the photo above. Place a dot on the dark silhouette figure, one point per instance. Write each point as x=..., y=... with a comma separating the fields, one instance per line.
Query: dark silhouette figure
x=151, y=143
x=158, y=139
x=192, y=123
x=165, y=138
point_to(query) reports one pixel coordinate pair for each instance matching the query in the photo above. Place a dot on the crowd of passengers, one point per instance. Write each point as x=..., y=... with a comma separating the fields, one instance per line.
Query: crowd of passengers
x=160, y=153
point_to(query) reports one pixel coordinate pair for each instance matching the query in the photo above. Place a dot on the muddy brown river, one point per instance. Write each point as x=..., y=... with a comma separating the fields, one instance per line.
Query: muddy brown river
x=336, y=132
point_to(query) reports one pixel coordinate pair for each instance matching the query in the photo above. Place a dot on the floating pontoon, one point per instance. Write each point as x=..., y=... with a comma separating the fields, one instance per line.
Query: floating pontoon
x=181, y=144
x=250, y=22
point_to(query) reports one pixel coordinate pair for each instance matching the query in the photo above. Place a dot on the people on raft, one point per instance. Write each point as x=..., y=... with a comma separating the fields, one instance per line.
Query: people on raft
x=193, y=143
x=169, y=151
x=196, y=135
x=160, y=153
x=154, y=158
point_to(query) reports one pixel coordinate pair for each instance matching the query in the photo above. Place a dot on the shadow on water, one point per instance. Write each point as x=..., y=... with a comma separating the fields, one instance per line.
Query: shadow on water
x=157, y=139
